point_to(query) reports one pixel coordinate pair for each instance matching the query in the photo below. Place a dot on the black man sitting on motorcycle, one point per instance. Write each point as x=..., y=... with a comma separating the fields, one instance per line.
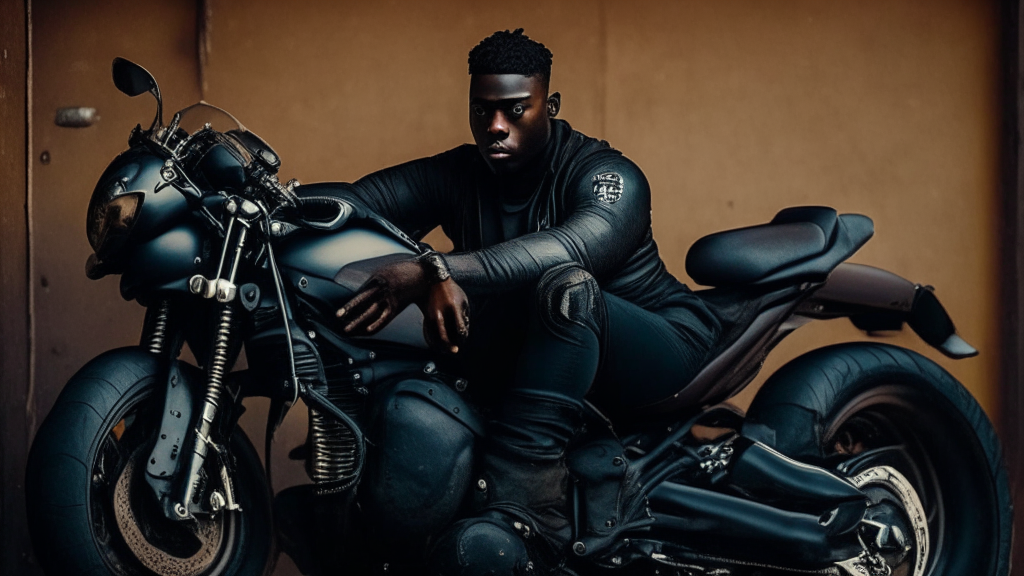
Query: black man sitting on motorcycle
x=553, y=245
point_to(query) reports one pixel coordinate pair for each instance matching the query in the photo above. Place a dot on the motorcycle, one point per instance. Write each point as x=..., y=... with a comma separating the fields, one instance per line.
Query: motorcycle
x=859, y=459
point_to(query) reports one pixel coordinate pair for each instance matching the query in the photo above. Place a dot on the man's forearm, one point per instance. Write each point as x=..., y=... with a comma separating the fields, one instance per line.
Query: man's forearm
x=513, y=264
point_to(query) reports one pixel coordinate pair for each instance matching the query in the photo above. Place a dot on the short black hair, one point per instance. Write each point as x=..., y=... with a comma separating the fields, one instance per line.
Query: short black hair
x=507, y=52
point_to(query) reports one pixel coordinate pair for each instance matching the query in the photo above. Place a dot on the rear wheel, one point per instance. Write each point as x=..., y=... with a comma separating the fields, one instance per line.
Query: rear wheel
x=90, y=509
x=859, y=408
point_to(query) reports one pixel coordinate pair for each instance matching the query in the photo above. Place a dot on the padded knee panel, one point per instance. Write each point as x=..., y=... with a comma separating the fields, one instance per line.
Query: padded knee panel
x=421, y=468
x=568, y=297
x=483, y=546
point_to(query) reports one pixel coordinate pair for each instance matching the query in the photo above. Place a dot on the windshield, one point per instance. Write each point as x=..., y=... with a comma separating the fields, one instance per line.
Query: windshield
x=199, y=114
x=196, y=117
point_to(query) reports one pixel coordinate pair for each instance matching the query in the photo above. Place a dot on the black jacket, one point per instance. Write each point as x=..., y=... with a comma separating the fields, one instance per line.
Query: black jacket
x=593, y=206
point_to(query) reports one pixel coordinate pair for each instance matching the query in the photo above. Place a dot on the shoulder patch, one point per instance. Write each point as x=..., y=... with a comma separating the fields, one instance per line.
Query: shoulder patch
x=608, y=187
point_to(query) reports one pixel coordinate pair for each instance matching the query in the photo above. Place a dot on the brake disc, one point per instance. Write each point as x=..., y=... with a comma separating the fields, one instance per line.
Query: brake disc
x=209, y=532
x=896, y=484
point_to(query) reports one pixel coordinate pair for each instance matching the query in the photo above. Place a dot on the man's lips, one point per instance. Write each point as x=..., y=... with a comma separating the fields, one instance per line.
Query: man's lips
x=498, y=152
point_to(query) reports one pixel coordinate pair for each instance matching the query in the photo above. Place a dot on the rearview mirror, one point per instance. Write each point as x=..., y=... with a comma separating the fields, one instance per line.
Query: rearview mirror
x=132, y=79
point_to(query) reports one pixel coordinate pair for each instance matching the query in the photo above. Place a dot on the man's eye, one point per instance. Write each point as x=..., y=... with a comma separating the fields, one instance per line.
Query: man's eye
x=518, y=110
x=478, y=110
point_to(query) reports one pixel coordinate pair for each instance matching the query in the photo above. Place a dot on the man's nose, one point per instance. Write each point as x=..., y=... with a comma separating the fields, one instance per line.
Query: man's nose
x=498, y=125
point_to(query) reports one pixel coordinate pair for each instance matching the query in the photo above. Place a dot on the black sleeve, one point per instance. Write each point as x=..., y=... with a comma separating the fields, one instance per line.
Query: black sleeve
x=608, y=215
x=408, y=195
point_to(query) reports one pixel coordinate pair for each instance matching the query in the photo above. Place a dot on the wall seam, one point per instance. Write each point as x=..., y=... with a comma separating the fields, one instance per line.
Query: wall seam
x=30, y=396
x=604, y=69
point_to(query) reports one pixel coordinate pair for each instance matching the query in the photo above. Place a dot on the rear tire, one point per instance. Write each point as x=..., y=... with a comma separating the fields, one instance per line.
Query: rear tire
x=89, y=510
x=853, y=406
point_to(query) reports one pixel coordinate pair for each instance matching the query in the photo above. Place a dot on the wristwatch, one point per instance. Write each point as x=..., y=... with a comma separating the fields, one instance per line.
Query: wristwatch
x=434, y=265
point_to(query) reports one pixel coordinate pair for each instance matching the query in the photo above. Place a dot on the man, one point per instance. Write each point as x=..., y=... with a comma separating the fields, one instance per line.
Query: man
x=553, y=245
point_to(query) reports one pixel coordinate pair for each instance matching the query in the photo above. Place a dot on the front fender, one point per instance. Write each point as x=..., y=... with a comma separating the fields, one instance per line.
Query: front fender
x=183, y=385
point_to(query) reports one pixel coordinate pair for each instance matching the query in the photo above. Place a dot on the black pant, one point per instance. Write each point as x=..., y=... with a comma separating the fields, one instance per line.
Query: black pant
x=624, y=355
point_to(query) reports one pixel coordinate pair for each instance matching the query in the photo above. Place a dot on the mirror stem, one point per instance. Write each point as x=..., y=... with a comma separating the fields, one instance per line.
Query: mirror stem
x=159, y=120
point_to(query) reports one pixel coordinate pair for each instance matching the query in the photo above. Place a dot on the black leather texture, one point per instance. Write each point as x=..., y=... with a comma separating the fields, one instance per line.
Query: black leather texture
x=801, y=243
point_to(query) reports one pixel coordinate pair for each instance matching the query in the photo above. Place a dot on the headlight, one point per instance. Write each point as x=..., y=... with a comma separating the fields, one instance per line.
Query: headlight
x=111, y=217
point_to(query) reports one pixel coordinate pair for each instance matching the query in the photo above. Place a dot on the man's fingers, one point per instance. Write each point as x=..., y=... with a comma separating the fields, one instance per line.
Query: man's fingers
x=364, y=317
x=442, y=332
x=379, y=322
x=358, y=299
x=461, y=322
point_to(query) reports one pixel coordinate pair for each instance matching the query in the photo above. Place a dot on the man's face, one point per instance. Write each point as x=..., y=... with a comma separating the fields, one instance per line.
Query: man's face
x=509, y=118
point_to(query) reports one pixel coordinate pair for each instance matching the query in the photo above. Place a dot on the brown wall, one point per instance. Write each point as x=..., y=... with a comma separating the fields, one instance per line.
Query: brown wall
x=734, y=110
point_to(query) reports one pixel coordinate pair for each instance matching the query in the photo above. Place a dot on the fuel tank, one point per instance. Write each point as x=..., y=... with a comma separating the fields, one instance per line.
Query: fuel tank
x=326, y=269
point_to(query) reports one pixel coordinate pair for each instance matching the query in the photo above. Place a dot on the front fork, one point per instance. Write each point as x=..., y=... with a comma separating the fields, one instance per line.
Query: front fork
x=203, y=443
x=175, y=491
x=180, y=502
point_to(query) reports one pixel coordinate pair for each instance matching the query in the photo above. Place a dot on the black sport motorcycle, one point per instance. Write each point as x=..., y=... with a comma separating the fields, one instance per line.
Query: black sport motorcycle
x=860, y=459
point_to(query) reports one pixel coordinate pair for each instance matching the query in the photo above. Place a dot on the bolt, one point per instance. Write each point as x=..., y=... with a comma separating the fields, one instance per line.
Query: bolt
x=311, y=334
x=179, y=509
x=461, y=384
x=303, y=282
x=618, y=461
x=372, y=355
x=163, y=436
x=45, y=157
x=610, y=523
x=481, y=485
x=579, y=548
x=197, y=260
x=430, y=368
x=456, y=409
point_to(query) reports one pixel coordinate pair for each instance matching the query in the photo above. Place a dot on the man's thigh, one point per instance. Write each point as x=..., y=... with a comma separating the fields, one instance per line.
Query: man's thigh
x=497, y=332
x=645, y=356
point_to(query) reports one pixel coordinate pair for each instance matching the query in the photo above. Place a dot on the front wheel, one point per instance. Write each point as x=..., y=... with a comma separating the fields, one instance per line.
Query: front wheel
x=864, y=408
x=90, y=510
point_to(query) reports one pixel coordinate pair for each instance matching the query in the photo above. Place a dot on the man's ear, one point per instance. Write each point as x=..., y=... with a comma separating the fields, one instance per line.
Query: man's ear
x=554, y=104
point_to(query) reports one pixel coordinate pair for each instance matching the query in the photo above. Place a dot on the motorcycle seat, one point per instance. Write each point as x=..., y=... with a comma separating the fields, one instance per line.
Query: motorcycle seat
x=799, y=244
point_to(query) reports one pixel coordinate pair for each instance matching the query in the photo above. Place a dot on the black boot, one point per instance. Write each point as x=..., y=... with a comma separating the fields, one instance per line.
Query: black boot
x=521, y=488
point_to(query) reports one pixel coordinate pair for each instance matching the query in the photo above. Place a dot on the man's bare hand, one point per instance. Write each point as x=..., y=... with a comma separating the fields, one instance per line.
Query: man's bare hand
x=446, y=316
x=383, y=296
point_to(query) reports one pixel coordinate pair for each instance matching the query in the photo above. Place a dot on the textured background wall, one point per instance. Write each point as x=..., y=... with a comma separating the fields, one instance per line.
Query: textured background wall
x=734, y=110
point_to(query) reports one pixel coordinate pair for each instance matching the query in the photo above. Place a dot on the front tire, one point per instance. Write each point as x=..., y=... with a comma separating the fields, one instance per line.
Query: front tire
x=851, y=407
x=89, y=509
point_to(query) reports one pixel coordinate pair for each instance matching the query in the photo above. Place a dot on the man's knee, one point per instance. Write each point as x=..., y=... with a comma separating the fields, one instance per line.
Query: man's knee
x=568, y=298
x=483, y=546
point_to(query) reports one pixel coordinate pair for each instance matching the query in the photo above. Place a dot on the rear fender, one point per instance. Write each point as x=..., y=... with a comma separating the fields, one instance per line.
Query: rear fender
x=875, y=300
